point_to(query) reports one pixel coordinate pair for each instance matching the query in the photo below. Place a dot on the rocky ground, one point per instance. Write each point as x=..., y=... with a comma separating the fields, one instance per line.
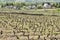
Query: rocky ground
x=29, y=27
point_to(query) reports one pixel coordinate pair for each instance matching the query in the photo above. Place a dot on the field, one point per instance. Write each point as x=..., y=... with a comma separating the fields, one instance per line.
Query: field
x=21, y=26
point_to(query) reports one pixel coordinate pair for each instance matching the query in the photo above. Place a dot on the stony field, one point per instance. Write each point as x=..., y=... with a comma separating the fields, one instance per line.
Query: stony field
x=29, y=27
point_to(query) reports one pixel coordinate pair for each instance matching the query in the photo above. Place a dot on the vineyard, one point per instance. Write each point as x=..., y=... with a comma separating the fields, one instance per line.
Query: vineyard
x=15, y=26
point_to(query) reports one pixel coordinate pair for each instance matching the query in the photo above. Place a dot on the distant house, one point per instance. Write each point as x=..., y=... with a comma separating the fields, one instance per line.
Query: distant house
x=12, y=7
x=47, y=5
x=31, y=7
x=16, y=7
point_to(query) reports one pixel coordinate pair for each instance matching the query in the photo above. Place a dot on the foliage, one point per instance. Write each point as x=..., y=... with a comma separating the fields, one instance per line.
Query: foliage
x=40, y=7
x=7, y=4
x=21, y=5
x=57, y=5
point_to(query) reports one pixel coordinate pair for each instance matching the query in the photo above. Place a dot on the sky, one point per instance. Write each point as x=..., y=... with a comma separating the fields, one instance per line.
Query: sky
x=30, y=0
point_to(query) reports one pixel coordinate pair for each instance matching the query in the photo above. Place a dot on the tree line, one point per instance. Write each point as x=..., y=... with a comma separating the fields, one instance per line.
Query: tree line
x=38, y=5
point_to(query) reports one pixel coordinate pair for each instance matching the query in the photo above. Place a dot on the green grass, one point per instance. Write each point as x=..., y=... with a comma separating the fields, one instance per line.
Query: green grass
x=34, y=11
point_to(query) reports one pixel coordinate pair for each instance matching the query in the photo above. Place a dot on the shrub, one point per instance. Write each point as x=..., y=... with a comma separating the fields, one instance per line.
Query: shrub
x=40, y=7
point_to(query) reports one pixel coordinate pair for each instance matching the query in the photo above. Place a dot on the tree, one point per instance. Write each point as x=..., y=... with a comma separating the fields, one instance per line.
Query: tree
x=7, y=4
x=39, y=7
x=55, y=5
x=19, y=4
x=58, y=5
